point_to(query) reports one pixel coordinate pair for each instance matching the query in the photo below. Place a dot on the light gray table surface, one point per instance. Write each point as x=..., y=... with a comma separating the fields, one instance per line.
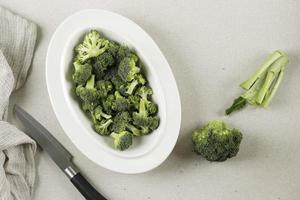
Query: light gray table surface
x=212, y=46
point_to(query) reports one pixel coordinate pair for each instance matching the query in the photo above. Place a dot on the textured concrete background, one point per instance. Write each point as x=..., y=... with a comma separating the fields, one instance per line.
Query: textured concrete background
x=212, y=46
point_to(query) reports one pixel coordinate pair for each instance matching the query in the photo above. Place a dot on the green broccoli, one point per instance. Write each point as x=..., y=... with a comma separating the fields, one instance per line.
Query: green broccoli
x=145, y=93
x=121, y=103
x=263, y=85
x=101, y=63
x=99, y=114
x=92, y=46
x=142, y=118
x=127, y=69
x=88, y=92
x=122, y=140
x=124, y=52
x=89, y=106
x=104, y=87
x=134, y=101
x=103, y=127
x=113, y=48
x=108, y=104
x=82, y=72
x=216, y=141
x=120, y=121
x=130, y=87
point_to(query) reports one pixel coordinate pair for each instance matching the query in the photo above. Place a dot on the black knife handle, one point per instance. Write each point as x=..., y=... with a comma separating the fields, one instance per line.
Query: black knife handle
x=85, y=188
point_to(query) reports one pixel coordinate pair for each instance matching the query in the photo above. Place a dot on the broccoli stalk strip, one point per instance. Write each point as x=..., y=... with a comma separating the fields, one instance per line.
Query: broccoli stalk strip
x=103, y=127
x=263, y=85
x=89, y=92
x=122, y=140
x=92, y=46
x=82, y=72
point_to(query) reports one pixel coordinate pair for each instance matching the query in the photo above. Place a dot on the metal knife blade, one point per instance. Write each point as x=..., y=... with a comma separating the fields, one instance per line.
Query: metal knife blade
x=58, y=153
x=44, y=138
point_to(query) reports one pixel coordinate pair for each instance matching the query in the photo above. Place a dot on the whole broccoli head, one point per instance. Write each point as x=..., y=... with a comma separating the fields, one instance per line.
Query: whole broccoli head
x=143, y=119
x=82, y=72
x=122, y=140
x=216, y=141
x=121, y=103
x=88, y=92
x=104, y=87
x=127, y=69
x=101, y=63
x=92, y=46
x=103, y=127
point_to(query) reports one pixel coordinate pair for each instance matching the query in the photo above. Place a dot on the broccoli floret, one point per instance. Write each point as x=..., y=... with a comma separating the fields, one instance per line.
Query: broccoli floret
x=127, y=69
x=122, y=140
x=92, y=46
x=108, y=104
x=120, y=121
x=134, y=101
x=99, y=114
x=89, y=106
x=145, y=93
x=135, y=131
x=113, y=48
x=120, y=103
x=82, y=72
x=216, y=141
x=88, y=92
x=131, y=86
x=104, y=87
x=142, y=118
x=124, y=52
x=101, y=63
x=103, y=127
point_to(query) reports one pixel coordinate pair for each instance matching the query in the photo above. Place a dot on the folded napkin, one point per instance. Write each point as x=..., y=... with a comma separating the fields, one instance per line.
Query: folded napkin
x=17, y=169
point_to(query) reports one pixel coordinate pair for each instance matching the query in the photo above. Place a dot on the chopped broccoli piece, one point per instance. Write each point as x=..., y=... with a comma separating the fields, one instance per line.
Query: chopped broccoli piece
x=122, y=140
x=101, y=63
x=108, y=104
x=89, y=106
x=113, y=48
x=99, y=114
x=82, y=72
x=92, y=46
x=134, y=101
x=124, y=52
x=142, y=118
x=88, y=92
x=120, y=121
x=216, y=141
x=103, y=127
x=127, y=69
x=104, y=87
x=121, y=103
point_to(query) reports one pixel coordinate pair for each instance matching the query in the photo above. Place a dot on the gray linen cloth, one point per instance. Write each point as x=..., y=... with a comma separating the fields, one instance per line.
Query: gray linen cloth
x=17, y=168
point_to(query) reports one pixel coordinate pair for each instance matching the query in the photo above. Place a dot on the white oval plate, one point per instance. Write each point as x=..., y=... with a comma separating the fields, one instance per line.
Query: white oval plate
x=147, y=152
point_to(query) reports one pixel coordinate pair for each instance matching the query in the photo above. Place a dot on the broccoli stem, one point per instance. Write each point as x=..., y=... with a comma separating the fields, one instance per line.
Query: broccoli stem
x=142, y=110
x=273, y=72
x=132, y=86
x=238, y=104
x=90, y=83
x=134, y=130
x=270, y=95
x=263, y=68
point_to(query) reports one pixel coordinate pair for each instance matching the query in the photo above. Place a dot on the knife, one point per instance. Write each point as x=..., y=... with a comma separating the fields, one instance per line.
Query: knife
x=58, y=153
